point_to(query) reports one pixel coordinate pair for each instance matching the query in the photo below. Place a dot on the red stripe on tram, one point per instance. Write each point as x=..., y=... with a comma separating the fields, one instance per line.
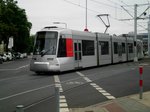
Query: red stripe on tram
x=69, y=47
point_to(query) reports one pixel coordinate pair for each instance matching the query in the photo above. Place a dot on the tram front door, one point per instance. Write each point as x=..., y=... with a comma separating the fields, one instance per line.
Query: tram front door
x=77, y=54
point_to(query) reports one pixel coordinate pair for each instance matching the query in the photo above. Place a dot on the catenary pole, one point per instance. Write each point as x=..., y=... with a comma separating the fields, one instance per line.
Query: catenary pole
x=135, y=33
x=86, y=16
x=148, y=44
x=86, y=29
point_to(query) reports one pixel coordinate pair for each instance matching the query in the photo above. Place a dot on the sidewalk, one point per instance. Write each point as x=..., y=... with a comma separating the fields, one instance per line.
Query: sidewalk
x=125, y=104
x=130, y=103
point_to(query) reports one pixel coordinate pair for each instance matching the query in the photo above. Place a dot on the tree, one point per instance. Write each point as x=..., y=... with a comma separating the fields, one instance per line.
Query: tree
x=13, y=22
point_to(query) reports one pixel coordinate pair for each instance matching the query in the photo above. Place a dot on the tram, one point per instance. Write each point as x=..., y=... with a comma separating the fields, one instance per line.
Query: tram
x=58, y=49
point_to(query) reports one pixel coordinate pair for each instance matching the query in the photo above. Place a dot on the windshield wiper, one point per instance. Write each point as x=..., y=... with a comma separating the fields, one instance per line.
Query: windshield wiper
x=43, y=52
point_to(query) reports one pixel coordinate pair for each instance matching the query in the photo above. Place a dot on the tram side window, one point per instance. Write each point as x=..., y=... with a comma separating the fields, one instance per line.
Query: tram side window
x=62, y=48
x=123, y=48
x=88, y=47
x=130, y=46
x=115, y=48
x=104, y=47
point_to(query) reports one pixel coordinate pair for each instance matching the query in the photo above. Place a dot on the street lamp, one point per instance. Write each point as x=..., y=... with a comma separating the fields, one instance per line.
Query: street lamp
x=61, y=23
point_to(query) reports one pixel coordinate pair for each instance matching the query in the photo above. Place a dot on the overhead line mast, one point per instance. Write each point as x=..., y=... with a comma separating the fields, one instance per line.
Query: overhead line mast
x=135, y=18
x=86, y=29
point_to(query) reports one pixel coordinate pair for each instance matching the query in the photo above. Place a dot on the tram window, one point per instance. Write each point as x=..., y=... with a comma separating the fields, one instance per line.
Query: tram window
x=115, y=48
x=123, y=48
x=62, y=48
x=46, y=43
x=88, y=47
x=76, y=56
x=104, y=47
x=75, y=46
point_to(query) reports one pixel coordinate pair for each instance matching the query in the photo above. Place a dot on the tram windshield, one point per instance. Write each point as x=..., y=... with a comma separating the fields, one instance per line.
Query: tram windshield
x=46, y=43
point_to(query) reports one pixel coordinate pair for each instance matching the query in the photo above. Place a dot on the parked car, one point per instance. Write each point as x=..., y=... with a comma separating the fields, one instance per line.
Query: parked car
x=17, y=55
x=4, y=57
x=1, y=60
x=25, y=55
x=9, y=56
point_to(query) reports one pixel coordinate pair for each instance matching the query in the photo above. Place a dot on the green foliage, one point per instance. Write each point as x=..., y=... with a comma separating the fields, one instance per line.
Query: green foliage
x=13, y=22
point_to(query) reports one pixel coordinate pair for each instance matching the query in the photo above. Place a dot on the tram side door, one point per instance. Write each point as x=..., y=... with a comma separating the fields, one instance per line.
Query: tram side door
x=77, y=54
x=120, y=52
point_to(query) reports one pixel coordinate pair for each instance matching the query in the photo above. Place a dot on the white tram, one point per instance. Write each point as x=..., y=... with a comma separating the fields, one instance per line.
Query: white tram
x=59, y=49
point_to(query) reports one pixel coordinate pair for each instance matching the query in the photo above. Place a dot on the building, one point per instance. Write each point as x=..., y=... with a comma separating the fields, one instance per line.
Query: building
x=144, y=38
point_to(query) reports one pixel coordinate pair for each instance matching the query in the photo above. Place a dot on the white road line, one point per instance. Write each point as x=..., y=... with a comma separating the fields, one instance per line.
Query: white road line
x=97, y=87
x=110, y=97
x=79, y=73
x=11, y=78
x=106, y=94
x=14, y=68
x=143, y=64
x=64, y=110
x=29, y=91
x=92, y=84
x=22, y=67
x=87, y=79
x=35, y=103
x=56, y=78
x=102, y=91
x=62, y=97
x=63, y=106
x=63, y=100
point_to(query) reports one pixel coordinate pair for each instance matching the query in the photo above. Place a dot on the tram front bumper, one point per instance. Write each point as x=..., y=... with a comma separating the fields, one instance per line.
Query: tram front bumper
x=44, y=67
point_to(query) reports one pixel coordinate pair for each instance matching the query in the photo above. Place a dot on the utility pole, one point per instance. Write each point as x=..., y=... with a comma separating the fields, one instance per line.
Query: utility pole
x=86, y=29
x=148, y=44
x=86, y=16
x=135, y=18
x=135, y=33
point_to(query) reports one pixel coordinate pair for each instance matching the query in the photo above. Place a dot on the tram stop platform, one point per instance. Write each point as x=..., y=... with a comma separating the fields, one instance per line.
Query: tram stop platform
x=130, y=103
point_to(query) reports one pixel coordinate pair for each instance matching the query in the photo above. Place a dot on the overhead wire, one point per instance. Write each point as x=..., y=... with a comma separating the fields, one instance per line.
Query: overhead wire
x=98, y=12
x=101, y=3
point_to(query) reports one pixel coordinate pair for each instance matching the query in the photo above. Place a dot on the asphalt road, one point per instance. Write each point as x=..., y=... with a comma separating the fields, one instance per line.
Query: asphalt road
x=19, y=86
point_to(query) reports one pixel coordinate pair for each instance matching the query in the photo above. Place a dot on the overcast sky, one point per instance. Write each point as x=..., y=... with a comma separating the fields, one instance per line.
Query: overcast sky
x=43, y=13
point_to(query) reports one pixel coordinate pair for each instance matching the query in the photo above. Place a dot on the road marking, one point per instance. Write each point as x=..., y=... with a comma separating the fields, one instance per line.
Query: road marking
x=143, y=64
x=63, y=106
x=36, y=103
x=14, y=68
x=87, y=79
x=11, y=78
x=29, y=91
x=97, y=87
x=62, y=97
x=63, y=100
x=56, y=78
x=74, y=83
x=82, y=75
x=110, y=97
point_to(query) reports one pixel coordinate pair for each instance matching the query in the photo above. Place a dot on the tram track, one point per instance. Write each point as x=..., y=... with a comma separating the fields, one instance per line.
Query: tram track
x=64, y=90
x=103, y=74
